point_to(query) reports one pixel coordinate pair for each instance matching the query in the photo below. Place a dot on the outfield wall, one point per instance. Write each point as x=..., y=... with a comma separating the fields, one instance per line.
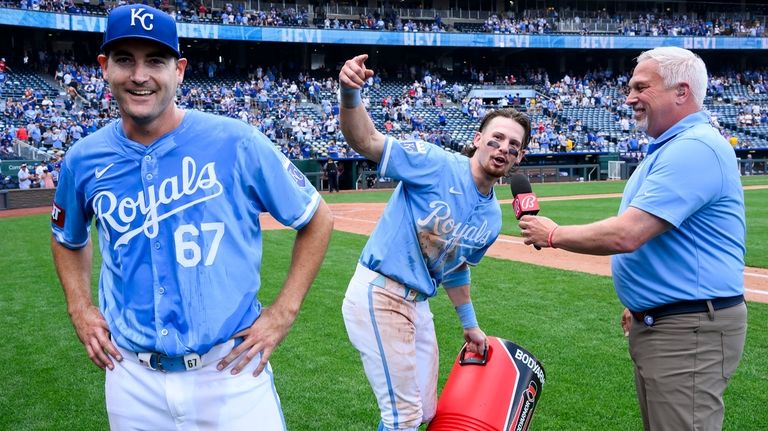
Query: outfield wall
x=30, y=198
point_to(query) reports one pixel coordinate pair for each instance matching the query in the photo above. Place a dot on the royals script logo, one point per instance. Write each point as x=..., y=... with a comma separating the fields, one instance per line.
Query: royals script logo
x=440, y=223
x=119, y=215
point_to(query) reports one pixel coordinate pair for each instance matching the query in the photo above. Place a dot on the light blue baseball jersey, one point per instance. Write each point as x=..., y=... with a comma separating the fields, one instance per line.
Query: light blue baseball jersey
x=692, y=182
x=178, y=225
x=435, y=220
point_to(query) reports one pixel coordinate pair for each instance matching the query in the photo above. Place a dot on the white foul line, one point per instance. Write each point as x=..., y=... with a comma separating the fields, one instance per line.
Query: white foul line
x=509, y=241
x=746, y=274
x=513, y=241
x=356, y=219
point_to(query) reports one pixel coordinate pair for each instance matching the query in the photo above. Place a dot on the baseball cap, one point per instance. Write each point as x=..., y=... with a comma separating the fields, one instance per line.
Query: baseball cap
x=139, y=21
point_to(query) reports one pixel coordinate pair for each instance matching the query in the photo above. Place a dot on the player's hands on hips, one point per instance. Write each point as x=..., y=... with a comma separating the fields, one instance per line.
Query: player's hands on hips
x=535, y=230
x=354, y=73
x=94, y=333
x=476, y=340
x=262, y=337
x=626, y=321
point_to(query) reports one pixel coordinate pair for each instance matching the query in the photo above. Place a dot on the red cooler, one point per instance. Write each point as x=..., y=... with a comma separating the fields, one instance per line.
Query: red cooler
x=497, y=391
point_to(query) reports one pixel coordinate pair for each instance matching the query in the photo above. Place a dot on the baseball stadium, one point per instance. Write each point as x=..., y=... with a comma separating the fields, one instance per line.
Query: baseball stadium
x=439, y=67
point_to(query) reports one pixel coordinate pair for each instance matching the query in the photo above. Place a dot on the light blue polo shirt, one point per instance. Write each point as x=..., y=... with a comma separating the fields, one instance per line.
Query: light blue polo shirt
x=692, y=182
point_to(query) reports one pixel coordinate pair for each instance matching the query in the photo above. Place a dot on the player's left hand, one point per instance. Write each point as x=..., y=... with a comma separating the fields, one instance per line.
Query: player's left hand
x=626, y=321
x=263, y=337
x=476, y=340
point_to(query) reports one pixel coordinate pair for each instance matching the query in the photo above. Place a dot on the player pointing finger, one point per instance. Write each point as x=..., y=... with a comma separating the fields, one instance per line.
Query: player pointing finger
x=354, y=73
x=415, y=249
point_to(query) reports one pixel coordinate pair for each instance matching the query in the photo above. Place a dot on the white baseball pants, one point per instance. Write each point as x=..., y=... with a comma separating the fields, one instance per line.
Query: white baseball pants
x=202, y=399
x=396, y=340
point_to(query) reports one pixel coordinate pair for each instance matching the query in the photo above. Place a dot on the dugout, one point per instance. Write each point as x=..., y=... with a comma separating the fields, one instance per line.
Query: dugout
x=565, y=167
x=313, y=170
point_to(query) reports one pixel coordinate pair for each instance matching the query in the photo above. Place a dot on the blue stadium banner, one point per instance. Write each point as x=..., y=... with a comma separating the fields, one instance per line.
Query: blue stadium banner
x=96, y=24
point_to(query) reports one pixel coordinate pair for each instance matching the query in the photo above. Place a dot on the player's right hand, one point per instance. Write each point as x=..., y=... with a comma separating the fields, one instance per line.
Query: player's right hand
x=93, y=331
x=354, y=73
x=476, y=340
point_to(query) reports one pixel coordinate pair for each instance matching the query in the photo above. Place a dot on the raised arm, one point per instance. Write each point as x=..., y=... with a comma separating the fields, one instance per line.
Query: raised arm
x=355, y=124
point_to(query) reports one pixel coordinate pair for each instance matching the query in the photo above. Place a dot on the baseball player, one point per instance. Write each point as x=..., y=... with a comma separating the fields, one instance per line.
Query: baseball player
x=441, y=219
x=176, y=196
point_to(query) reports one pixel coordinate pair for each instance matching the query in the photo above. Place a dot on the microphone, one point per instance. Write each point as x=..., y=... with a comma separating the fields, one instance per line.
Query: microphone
x=525, y=201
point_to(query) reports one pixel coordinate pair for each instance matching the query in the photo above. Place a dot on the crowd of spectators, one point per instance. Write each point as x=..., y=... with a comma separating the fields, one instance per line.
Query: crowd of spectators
x=706, y=23
x=527, y=22
x=265, y=100
x=753, y=115
x=55, y=123
x=274, y=104
x=61, y=6
x=238, y=15
x=756, y=82
x=43, y=174
x=506, y=24
x=681, y=25
x=555, y=130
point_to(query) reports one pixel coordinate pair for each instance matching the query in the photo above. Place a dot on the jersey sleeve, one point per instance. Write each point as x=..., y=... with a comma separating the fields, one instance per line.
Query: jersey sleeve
x=686, y=177
x=275, y=183
x=70, y=219
x=413, y=162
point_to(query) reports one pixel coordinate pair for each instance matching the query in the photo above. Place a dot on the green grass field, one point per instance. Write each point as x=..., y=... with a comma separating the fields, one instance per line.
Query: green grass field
x=541, y=190
x=569, y=320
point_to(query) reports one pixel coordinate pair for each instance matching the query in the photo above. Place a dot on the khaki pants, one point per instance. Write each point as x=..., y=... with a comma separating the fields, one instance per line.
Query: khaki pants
x=682, y=367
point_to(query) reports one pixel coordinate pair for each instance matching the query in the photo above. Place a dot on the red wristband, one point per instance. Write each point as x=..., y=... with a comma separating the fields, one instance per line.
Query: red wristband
x=549, y=237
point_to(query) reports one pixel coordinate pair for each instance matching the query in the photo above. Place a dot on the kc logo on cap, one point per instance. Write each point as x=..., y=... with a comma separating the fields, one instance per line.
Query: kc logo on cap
x=140, y=15
x=139, y=21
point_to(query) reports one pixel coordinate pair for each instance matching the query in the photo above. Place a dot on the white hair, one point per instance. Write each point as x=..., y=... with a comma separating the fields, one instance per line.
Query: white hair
x=677, y=65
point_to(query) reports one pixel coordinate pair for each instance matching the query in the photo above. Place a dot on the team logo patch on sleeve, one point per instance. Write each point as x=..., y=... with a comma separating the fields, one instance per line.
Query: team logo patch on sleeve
x=296, y=174
x=414, y=146
x=57, y=215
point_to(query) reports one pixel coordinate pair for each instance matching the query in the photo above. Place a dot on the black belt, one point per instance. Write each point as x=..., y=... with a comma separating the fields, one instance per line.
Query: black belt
x=686, y=307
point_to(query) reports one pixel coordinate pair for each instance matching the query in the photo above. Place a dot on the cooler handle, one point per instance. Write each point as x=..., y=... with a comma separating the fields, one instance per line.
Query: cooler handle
x=473, y=360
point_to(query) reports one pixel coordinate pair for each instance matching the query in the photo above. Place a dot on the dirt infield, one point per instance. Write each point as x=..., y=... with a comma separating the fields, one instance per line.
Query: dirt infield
x=361, y=219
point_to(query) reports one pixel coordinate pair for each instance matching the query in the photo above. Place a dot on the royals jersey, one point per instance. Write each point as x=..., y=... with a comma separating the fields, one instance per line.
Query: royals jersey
x=435, y=220
x=178, y=225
